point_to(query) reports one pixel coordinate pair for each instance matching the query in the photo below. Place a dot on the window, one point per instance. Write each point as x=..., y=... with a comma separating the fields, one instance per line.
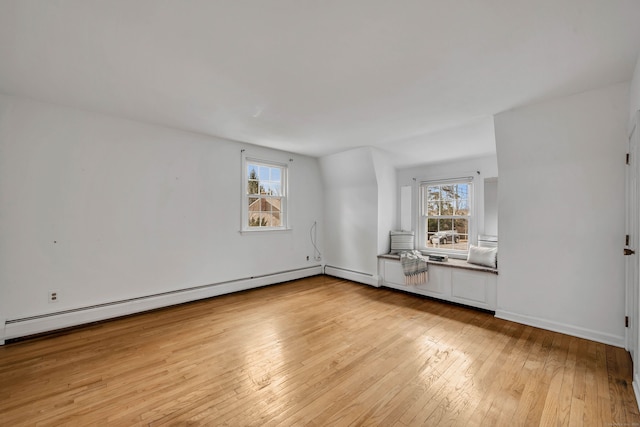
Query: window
x=265, y=195
x=447, y=217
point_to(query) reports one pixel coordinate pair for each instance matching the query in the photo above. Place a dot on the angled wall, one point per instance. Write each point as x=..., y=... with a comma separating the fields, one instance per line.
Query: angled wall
x=386, y=180
x=359, y=211
x=351, y=212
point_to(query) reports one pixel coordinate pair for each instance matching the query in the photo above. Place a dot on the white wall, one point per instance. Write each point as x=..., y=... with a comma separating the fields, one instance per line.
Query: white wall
x=104, y=209
x=351, y=210
x=634, y=106
x=491, y=206
x=561, y=213
x=486, y=165
x=387, y=199
x=635, y=92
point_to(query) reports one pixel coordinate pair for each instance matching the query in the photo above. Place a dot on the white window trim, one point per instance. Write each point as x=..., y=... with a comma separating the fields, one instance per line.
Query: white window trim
x=421, y=242
x=244, y=220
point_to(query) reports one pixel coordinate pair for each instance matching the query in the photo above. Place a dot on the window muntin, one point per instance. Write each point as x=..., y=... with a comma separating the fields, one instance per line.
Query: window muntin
x=265, y=198
x=446, y=216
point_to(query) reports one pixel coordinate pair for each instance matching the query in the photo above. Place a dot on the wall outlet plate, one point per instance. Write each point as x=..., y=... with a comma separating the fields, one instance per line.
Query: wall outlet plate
x=54, y=295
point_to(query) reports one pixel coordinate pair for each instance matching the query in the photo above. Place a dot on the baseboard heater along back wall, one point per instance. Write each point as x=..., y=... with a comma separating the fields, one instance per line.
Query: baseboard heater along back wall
x=22, y=327
x=353, y=275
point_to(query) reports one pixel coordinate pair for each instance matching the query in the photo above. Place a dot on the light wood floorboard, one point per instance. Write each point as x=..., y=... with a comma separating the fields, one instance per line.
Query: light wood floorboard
x=319, y=351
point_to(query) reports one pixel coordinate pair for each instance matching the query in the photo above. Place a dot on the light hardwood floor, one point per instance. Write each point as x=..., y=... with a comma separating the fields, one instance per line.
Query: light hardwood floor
x=318, y=351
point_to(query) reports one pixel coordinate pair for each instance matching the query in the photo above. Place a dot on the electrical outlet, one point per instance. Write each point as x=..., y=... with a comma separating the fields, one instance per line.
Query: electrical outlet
x=54, y=296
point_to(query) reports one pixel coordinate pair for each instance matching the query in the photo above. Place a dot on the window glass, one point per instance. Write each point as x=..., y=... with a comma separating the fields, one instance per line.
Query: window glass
x=265, y=196
x=446, y=216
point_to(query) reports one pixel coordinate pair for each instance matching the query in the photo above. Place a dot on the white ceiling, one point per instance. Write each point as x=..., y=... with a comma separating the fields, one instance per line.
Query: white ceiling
x=420, y=79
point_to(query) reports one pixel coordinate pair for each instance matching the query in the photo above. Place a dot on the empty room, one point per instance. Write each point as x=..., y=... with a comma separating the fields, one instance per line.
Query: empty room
x=356, y=212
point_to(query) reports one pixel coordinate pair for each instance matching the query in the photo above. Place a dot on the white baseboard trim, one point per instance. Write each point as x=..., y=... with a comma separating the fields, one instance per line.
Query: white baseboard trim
x=16, y=328
x=618, y=341
x=354, y=276
x=3, y=325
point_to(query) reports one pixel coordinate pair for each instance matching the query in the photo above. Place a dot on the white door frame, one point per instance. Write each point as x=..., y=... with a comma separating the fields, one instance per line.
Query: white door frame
x=632, y=264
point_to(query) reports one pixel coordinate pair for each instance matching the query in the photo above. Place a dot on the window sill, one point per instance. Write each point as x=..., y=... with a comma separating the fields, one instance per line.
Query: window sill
x=266, y=230
x=453, y=263
x=450, y=253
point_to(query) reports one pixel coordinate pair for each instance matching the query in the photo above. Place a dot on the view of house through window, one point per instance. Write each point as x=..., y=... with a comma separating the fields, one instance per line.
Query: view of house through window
x=266, y=195
x=447, y=215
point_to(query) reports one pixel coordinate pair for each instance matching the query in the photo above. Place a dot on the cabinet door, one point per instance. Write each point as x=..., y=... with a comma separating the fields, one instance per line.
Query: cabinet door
x=438, y=283
x=393, y=273
x=474, y=288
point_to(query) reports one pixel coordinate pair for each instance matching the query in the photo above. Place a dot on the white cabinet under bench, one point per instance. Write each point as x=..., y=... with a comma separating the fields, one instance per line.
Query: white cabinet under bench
x=454, y=280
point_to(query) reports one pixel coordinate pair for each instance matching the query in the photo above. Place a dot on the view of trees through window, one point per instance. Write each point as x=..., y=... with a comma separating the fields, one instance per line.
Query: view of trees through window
x=265, y=193
x=448, y=210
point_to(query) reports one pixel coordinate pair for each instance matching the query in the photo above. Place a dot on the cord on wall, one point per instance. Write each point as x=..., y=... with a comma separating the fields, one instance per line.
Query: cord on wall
x=313, y=234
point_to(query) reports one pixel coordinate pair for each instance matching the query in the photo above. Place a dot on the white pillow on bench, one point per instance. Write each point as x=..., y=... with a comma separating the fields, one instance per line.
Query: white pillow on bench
x=487, y=257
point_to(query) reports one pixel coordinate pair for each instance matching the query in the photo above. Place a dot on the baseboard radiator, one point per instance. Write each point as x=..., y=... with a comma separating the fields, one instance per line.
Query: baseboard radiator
x=353, y=275
x=22, y=327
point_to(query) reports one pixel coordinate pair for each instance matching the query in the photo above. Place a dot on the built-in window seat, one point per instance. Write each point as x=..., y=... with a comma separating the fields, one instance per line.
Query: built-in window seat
x=453, y=280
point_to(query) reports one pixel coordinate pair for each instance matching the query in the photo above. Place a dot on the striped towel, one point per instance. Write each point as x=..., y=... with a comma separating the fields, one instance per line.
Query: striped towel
x=415, y=267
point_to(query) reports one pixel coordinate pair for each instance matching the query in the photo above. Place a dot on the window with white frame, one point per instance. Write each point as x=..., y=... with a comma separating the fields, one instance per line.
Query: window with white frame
x=446, y=217
x=265, y=195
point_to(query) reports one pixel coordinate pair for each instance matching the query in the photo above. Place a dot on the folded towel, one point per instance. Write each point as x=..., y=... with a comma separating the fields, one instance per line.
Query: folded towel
x=415, y=267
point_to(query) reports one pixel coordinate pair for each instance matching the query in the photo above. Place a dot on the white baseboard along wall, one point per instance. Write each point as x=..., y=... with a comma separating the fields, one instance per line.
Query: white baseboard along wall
x=356, y=276
x=618, y=341
x=17, y=328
